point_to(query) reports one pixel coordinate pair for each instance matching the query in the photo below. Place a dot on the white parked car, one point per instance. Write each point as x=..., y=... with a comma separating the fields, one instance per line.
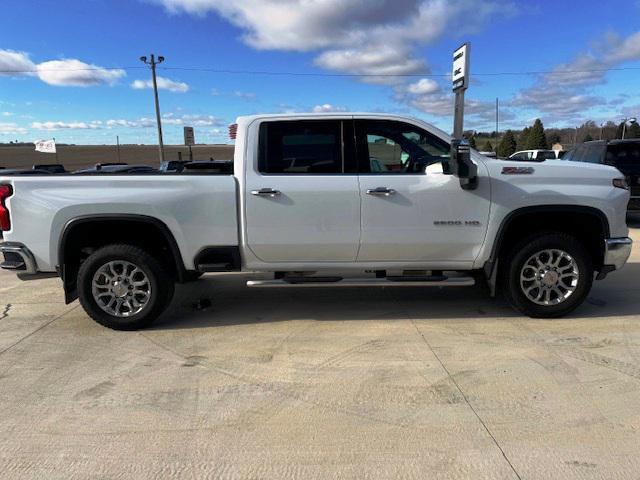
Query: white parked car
x=535, y=155
x=312, y=197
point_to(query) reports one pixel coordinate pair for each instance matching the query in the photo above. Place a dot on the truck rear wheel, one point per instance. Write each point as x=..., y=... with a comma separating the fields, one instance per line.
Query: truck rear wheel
x=547, y=275
x=123, y=287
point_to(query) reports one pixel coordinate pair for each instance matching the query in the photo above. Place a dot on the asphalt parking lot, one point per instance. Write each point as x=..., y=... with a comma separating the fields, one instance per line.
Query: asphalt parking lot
x=335, y=383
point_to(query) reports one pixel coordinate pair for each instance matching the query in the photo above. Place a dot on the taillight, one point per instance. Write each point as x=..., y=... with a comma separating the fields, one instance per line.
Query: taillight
x=5, y=221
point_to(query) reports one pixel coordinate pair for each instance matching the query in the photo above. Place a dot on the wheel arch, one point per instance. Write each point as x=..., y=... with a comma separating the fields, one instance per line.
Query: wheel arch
x=142, y=230
x=572, y=219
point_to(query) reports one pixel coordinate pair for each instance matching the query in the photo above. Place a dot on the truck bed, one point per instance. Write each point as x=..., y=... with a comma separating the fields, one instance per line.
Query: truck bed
x=199, y=210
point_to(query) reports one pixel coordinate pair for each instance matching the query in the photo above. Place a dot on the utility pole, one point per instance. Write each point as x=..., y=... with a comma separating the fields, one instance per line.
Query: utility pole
x=118, y=147
x=152, y=63
x=495, y=148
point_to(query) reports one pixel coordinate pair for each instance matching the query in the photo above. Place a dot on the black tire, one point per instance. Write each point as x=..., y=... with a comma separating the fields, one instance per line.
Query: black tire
x=160, y=283
x=513, y=266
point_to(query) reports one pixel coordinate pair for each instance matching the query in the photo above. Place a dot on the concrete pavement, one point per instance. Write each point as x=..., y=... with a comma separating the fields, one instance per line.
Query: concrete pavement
x=335, y=383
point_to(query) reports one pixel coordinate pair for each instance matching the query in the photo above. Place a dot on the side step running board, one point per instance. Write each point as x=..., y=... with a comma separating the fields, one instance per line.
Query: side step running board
x=461, y=281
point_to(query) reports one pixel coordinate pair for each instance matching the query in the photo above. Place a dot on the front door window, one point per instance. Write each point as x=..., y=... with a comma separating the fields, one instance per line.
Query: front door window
x=388, y=147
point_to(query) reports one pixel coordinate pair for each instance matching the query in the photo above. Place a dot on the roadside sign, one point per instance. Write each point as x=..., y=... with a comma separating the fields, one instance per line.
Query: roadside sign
x=46, y=146
x=189, y=138
x=460, y=73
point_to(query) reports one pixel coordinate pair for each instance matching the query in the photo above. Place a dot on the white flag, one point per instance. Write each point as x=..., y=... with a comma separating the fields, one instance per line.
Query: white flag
x=46, y=146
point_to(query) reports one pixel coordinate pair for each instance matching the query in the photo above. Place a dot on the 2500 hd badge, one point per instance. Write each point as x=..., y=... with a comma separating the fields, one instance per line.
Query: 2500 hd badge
x=457, y=223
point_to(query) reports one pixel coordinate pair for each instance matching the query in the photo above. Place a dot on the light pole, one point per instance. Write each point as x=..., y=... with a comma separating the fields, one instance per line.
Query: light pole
x=624, y=125
x=152, y=63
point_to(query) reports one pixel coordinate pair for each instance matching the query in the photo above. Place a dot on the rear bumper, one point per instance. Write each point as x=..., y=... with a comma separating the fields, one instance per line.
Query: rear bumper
x=617, y=252
x=18, y=258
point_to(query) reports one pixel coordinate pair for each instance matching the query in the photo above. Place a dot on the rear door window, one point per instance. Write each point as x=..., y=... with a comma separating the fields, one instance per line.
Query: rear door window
x=301, y=147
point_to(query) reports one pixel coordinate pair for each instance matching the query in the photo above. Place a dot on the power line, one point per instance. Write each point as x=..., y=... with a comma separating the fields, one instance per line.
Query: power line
x=324, y=74
x=389, y=75
x=86, y=69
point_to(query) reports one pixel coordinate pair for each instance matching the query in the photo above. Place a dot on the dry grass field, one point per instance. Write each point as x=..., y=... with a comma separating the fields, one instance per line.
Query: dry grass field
x=77, y=156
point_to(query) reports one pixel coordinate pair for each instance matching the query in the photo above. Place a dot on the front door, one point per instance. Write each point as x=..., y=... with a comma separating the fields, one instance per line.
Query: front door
x=302, y=197
x=411, y=210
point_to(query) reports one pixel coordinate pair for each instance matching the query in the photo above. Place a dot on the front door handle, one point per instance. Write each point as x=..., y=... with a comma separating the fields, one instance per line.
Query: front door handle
x=266, y=192
x=381, y=191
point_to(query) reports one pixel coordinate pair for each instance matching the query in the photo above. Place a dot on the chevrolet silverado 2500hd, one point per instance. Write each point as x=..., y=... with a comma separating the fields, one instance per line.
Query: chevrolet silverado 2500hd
x=323, y=200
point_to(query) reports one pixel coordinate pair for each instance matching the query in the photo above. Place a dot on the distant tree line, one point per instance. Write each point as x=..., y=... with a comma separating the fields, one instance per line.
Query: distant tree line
x=537, y=137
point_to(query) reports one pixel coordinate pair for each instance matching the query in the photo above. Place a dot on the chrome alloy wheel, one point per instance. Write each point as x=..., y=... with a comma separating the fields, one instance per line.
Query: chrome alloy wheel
x=121, y=288
x=549, y=277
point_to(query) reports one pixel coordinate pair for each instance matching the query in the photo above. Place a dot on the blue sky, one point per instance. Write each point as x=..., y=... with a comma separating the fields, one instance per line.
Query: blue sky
x=70, y=69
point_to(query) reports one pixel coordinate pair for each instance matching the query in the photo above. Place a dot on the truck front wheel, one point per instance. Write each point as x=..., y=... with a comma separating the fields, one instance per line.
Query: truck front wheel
x=547, y=275
x=123, y=287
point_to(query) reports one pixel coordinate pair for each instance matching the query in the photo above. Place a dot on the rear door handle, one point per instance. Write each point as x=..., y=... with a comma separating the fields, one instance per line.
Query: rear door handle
x=381, y=191
x=266, y=192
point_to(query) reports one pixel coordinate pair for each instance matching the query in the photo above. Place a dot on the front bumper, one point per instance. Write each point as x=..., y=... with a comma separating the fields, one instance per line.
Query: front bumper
x=617, y=252
x=18, y=258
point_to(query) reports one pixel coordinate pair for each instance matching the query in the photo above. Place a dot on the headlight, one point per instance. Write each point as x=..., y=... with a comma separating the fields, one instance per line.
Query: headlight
x=621, y=183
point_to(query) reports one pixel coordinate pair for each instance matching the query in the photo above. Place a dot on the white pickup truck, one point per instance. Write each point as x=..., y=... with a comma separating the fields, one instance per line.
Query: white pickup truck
x=323, y=201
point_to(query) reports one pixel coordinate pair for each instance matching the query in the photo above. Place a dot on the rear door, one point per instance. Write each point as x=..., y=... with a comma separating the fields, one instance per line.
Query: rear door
x=301, y=194
x=411, y=211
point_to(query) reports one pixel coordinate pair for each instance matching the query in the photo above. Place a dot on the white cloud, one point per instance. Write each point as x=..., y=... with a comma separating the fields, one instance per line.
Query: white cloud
x=60, y=73
x=11, y=129
x=328, y=108
x=163, y=84
x=14, y=63
x=167, y=119
x=624, y=50
x=248, y=96
x=7, y=114
x=565, y=93
x=631, y=111
x=380, y=62
x=51, y=126
x=74, y=73
x=124, y=123
x=376, y=37
x=424, y=86
x=202, y=120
